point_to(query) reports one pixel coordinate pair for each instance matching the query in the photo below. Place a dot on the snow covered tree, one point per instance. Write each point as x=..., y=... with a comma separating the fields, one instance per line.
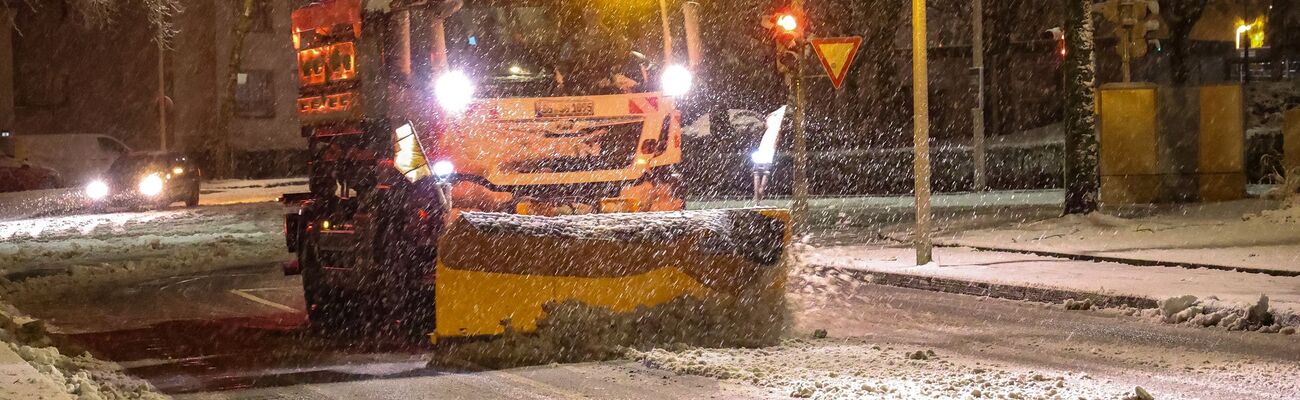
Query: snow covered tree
x=104, y=12
x=218, y=140
x=1081, y=148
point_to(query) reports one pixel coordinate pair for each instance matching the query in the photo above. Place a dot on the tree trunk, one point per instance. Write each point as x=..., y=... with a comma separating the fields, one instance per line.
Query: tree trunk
x=218, y=143
x=1181, y=15
x=1081, y=173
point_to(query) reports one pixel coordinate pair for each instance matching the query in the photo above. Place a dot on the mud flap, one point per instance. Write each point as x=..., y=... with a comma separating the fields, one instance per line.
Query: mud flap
x=498, y=270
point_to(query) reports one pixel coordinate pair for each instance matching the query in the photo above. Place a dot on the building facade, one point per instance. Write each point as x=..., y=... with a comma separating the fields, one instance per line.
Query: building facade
x=61, y=75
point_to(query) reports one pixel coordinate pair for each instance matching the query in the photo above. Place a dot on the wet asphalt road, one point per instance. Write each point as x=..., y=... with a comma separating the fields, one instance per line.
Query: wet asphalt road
x=239, y=334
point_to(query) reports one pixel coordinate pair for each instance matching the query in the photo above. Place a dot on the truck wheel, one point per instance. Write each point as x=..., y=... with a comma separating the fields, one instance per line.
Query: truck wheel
x=323, y=307
x=193, y=199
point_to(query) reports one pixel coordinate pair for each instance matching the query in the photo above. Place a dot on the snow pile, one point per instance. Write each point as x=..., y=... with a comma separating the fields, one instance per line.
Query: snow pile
x=855, y=368
x=1210, y=312
x=82, y=376
x=576, y=332
x=1288, y=213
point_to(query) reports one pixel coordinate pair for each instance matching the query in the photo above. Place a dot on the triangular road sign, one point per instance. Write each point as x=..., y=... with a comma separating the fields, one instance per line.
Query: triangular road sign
x=836, y=55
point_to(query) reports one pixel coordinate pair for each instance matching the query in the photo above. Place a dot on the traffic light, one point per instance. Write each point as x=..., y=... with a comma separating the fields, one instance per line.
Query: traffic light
x=787, y=28
x=788, y=23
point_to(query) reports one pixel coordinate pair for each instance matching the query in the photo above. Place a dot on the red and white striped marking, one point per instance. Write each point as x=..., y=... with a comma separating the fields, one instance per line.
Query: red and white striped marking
x=643, y=105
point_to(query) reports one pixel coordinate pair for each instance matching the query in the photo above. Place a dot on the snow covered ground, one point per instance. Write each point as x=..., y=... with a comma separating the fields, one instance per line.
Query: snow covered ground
x=50, y=256
x=1263, y=234
x=1233, y=289
x=31, y=368
x=890, y=343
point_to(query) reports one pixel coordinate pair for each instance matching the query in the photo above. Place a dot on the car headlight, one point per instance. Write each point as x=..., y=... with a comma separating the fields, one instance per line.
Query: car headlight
x=676, y=80
x=454, y=91
x=97, y=190
x=151, y=185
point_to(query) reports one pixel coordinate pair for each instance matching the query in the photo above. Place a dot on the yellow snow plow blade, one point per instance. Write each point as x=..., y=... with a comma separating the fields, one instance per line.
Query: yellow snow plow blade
x=498, y=270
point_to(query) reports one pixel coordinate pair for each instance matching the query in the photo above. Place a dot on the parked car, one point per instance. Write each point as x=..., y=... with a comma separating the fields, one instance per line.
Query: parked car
x=78, y=157
x=18, y=175
x=147, y=179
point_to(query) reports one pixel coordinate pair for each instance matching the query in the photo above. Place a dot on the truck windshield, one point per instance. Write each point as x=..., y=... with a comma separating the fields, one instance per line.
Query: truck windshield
x=555, y=48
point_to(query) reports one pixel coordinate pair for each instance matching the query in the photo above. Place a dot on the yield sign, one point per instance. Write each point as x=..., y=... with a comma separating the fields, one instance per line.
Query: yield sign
x=836, y=55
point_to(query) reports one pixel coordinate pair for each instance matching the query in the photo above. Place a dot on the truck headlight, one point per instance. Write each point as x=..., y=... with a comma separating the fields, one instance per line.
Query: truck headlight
x=96, y=190
x=151, y=185
x=443, y=169
x=454, y=91
x=676, y=80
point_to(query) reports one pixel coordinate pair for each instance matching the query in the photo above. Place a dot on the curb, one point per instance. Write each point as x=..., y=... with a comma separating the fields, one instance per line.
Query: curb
x=1123, y=260
x=996, y=290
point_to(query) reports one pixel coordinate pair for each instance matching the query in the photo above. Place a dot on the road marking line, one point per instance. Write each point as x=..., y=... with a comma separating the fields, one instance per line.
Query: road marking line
x=265, y=289
x=265, y=302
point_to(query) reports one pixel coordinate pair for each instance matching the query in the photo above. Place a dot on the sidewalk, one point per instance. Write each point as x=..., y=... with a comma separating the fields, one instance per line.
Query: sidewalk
x=1032, y=277
x=1249, y=235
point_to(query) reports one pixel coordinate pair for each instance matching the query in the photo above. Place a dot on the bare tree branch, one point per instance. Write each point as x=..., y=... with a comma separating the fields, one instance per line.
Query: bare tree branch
x=102, y=13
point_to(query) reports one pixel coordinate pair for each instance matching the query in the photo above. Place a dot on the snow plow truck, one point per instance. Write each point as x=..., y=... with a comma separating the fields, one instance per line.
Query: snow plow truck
x=473, y=161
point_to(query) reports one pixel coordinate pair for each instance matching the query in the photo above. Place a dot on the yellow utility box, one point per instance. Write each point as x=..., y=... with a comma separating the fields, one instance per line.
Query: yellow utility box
x=1221, y=158
x=1171, y=144
x=1129, y=169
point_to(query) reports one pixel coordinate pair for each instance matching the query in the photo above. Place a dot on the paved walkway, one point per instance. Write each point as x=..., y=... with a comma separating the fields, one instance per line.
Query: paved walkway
x=1259, y=235
x=1015, y=270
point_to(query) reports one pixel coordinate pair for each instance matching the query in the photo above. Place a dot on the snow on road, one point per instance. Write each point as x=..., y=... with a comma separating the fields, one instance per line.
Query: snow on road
x=856, y=368
x=893, y=343
x=47, y=256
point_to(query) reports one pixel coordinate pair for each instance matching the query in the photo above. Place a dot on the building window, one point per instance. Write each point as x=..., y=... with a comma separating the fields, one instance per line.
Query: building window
x=255, y=94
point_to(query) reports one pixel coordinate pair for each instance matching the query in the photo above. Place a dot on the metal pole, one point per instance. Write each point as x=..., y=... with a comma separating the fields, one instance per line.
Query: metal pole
x=404, y=43
x=162, y=97
x=980, y=154
x=799, y=207
x=668, y=38
x=921, y=133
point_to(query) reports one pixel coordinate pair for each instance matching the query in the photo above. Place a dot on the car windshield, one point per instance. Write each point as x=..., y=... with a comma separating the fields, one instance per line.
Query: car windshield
x=133, y=164
x=568, y=47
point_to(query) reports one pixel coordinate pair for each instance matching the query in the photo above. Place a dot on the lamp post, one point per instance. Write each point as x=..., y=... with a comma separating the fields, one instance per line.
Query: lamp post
x=921, y=134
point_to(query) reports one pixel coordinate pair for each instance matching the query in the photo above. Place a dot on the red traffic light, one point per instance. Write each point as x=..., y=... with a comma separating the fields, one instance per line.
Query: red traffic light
x=787, y=22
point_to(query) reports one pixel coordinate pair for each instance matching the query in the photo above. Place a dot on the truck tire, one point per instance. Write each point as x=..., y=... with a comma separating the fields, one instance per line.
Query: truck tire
x=324, y=310
x=192, y=200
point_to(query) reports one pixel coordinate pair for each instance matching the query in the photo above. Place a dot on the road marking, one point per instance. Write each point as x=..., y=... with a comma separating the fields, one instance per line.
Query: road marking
x=243, y=293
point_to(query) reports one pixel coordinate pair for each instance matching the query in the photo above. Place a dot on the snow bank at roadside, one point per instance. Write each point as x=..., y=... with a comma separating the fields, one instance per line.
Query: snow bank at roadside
x=46, y=257
x=83, y=376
